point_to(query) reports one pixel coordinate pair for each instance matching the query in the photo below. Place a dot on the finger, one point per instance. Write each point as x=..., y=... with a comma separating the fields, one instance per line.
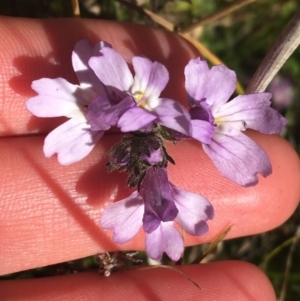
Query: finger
x=33, y=49
x=49, y=213
x=224, y=281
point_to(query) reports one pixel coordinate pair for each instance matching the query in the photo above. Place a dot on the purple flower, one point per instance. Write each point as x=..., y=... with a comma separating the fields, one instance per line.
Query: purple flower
x=235, y=155
x=283, y=92
x=144, y=89
x=74, y=139
x=155, y=207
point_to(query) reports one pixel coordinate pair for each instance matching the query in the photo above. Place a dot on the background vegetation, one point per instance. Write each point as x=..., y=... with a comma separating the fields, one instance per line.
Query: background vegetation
x=240, y=39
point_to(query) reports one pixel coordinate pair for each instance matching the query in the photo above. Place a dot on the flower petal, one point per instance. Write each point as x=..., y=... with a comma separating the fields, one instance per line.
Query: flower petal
x=159, y=205
x=202, y=131
x=238, y=158
x=112, y=70
x=114, y=112
x=124, y=217
x=166, y=239
x=202, y=111
x=101, y=115
x=56, y=97
x=253, y=111
x=81, y=54
x=196, y=72
x=150, y=222
x=96, y=114
x=193, y=211
x=215, y=85
x=134, y=119
x=150, y=77
x=72, y=141
x=220, y=86
x=173, y=115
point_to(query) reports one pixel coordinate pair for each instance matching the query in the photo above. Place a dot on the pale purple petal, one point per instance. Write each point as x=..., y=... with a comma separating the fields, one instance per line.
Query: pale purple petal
x=134, y=119
x=150, y=77
x=56, y=97
x=194, y=211
x=202, y=131
x=196, y=72
x=238, y=158
x=166, y=239
x=215, y=85
x=72, y=141
x=81, y=54
x=173, y=115
x=112, y=70
x=254, y=112
x=220, y=86
x=124, y=218
x=283, y=91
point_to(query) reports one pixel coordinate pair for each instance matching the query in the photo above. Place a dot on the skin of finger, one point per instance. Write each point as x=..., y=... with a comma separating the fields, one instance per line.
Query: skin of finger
x=224, y=281
x=49, y=213
x=32, y=49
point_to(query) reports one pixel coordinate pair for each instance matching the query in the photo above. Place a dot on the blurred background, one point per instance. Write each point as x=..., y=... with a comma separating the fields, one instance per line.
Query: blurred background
x=240, y=37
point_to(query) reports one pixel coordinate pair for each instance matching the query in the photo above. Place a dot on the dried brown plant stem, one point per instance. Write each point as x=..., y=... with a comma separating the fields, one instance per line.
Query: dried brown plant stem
x=159, y=20
x=153, y=16
x=212, y=245
x=172, y=268
x=285, y=45
x=76, y=9
x=216, y=16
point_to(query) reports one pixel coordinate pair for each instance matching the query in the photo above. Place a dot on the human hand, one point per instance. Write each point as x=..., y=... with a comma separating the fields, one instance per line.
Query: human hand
x=49, y=213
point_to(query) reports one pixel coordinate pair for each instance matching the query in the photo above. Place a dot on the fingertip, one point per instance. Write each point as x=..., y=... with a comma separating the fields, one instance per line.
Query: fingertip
x=239, y=280
x=219, y=281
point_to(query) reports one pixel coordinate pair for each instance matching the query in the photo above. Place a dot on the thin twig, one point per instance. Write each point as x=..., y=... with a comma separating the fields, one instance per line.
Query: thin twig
x=172, y=268
x=153, y=16
x=289, y=264
x=76, y=9
x=212, y=245
x=275, y=251
x=160, y=20
x=285, y=45
x=215, y=16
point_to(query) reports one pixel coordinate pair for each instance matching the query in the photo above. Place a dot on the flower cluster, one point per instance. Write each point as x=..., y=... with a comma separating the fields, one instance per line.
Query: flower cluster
x=108, y=95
